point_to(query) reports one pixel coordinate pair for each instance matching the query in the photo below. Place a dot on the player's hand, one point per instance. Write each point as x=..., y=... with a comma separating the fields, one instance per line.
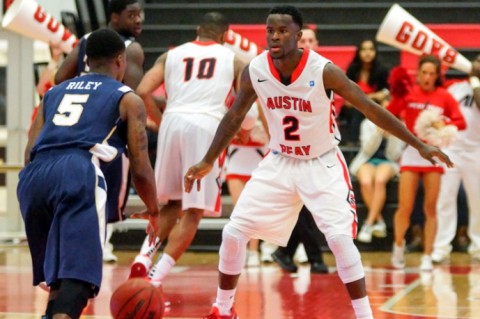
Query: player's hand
x=196, y=173
x=429, y=152
x=153, y=228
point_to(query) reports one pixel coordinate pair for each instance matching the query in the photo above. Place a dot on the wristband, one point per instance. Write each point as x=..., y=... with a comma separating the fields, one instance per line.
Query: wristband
x=474, y=82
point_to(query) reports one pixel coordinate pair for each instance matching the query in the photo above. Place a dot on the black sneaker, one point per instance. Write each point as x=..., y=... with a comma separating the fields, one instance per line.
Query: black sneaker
x=284, y=261
x=318, y=268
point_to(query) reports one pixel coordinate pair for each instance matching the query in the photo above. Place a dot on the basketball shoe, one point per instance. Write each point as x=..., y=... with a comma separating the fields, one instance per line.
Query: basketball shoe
x=140, y=267
x=216, y=314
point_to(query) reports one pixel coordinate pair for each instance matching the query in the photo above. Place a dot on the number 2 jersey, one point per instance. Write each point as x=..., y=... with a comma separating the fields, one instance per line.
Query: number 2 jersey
x=198, y=78
x=300, y=115
x=83, y=113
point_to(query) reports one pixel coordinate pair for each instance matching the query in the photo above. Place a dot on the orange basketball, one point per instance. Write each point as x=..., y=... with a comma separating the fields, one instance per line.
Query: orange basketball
x=137, y=299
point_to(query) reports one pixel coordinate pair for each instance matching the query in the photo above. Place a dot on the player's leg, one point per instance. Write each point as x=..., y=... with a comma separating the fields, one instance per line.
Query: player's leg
x=471, y=183
x=254, y=216
x=407, y=188
x=446, y=214
x=179, y=239
x=383, y=174
x=431, y=184
x=365, y=177
x=72, y=297
x=331, y=201
x=169, y=215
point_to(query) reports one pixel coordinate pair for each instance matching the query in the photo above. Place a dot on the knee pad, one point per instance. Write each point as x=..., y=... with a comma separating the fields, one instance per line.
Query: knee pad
x=72, y=297
x=347, y=258
x=233, y=250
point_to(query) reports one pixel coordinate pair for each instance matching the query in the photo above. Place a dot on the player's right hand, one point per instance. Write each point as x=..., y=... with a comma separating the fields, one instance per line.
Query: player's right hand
x=196, y=173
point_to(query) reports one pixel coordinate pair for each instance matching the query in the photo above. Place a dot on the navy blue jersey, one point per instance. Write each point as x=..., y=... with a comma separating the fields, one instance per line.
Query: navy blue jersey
x=84, y=113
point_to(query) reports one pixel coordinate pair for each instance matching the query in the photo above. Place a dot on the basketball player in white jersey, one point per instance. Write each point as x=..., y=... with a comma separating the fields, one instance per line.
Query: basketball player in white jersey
x=305, y=166
x=465, y=152
x=198, y=77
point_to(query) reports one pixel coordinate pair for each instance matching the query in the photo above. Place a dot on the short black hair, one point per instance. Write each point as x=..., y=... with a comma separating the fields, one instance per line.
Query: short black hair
x=296, y=15
x=214, y=22
x=117, y=6
x=104, y=44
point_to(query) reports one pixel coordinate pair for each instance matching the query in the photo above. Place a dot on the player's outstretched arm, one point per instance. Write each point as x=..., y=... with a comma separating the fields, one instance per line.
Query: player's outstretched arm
x=226, y=130
x=133, y=112
x=135, y=60
x=149, y=83
x=68, y=68
x=335, y=79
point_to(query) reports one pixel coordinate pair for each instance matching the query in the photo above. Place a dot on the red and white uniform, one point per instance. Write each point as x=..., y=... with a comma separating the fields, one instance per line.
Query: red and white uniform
x=305, y=166
x=464, y=153
x=242, y=159
x=409, y=108
x=198, y=79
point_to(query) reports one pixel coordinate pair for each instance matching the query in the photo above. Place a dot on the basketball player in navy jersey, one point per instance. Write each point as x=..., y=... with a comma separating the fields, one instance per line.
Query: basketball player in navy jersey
x=125, y=17
x=305, y=166
x=81, y=123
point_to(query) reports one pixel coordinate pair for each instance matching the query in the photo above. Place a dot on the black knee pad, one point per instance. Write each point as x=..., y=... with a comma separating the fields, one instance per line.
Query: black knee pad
x=72, y=297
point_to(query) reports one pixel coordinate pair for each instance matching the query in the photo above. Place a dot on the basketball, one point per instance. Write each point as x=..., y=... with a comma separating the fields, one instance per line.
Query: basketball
x=137, y=299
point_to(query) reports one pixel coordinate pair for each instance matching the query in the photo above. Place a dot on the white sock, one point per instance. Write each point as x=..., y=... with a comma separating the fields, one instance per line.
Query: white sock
x=149, y=250
x=161, y=268
x=362, y=308
x=224, y=301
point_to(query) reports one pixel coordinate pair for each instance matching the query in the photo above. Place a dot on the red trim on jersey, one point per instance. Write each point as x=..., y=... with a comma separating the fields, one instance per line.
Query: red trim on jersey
x=346, y=176
x=298, y=70
x=272, y=68
x=204, y=43
x=350, y=196
x=301, y=65
x=420, y=169
x=244, y=178
x=218, y=202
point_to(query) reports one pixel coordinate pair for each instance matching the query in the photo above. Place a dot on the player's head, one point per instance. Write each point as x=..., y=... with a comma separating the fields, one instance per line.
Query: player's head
x=429, y=72
x=214, y=25
x=284, y=25
x=106, y=53
x=126, y=17
x=309, y=39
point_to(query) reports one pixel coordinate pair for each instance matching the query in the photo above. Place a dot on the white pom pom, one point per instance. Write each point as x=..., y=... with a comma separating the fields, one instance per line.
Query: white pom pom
x=441, y=137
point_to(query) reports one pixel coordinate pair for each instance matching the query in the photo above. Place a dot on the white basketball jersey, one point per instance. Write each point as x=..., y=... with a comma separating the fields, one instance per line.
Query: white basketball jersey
x=470, y=137
x=198, y=78
x=300, y=115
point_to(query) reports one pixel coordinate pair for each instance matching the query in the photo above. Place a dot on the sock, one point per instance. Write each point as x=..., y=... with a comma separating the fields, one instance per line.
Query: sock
x=362, y=308
x=161, y=268
x=149, y=250
x=224, y=301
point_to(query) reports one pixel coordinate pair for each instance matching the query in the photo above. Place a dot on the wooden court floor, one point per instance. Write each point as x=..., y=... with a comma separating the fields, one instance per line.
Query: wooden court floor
x=266, y=292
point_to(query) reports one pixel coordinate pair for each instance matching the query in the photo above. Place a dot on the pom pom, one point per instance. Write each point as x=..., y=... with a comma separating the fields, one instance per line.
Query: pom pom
x=440, y=137
x=400, y=82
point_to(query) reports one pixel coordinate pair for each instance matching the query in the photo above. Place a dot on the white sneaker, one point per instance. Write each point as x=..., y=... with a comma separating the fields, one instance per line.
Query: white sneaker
x=266, y=251
x=253, y=258
x=426, y=263
x=365, y=234
x=379, y=230
x=140, y=267
x=440, y=258
x=108, y=255
x=301, y=255
x=398, y=256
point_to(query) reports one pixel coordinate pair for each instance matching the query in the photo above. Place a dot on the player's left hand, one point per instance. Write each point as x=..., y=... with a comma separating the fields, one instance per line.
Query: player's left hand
x=196, y=173
x=153, y=228
x=429, y=152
